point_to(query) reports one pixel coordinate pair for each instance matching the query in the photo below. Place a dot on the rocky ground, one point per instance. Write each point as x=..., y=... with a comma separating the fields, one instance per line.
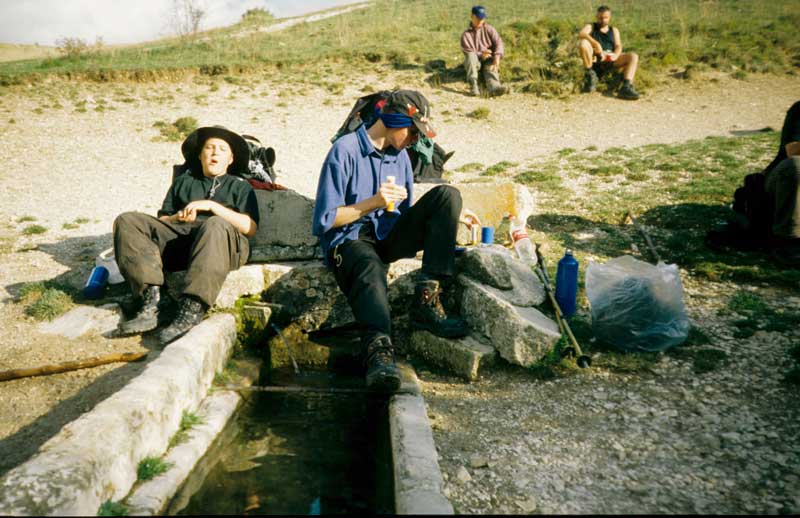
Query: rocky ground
x=661, y=440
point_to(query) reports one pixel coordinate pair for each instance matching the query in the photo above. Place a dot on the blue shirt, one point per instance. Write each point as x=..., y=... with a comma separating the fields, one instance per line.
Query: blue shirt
x=352, y=172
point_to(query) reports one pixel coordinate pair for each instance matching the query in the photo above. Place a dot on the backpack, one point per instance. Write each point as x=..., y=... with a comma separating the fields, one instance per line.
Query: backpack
x=364, y=112
x=260, y=166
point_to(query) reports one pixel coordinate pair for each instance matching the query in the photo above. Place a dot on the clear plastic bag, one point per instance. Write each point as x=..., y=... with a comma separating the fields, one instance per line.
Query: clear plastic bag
x=637, y=306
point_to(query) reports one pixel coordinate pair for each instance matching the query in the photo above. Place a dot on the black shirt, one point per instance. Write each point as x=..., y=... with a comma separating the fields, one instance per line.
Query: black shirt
x=231, y=192
x=605, y=39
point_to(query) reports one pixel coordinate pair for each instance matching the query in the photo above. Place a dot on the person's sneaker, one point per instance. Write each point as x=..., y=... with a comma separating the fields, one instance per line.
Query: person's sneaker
x=474, y=91
x=590, y=81
x=146, y=319
x=498, y=90
x=628, y=93
x=382, y=372
x=190, y=313
x=427, y=312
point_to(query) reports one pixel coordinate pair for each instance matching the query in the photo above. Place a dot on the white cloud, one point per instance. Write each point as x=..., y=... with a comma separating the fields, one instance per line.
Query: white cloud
x=118, y=21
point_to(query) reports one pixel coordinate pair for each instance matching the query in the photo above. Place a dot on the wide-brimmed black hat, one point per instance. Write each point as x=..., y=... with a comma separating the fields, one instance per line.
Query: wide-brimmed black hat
x=414, y=105
x=194, y=142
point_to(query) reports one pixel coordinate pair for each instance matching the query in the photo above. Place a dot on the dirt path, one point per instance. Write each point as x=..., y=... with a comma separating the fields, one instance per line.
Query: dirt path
x=61, y=164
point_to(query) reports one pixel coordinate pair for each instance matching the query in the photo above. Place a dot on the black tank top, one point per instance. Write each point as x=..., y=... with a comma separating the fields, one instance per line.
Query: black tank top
x=606, y=40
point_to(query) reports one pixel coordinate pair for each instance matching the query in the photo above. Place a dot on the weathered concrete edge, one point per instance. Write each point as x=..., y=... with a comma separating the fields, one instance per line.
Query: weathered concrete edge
x=418, y=481
x=94, y=458
x=152, y=497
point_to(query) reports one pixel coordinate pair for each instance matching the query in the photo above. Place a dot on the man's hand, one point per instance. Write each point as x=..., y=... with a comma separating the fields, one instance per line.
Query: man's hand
x=189, y=213
x=793, y=148
x=486, y=54
x=390, y=193
x=469, y=218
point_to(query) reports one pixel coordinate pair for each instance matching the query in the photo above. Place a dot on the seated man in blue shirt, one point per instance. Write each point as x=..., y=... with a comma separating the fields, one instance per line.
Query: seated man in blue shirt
x=365, y=220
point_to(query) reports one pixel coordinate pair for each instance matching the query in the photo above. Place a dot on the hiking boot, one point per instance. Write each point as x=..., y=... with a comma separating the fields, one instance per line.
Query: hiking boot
x=731, y=236
x=190, y=313
x=382, y=372
x=474, y=91
x=146, y=318
x=498, y=90
x=627, y=92
x=427, y=312
x=590, y=81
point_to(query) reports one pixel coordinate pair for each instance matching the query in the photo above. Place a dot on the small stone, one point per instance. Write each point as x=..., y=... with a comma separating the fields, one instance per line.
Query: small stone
x=529, y=505
x=463, y=475
x=559, y=485
x=478, y=461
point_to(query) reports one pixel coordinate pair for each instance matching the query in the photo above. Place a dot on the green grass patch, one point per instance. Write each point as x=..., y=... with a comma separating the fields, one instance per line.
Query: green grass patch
x=498, y=168
x=480, y=113
x=47, y=303
x=109, y=508
x=470, y=167
x=176, y=131
x=188, y=421
x=151, y=467
x=25, y=219
x=32, y=230
x=70, y=226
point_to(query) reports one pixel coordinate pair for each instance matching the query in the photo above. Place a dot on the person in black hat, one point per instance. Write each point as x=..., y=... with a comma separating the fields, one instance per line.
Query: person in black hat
x=365, y=220
x=202, y=227
x=483, y=48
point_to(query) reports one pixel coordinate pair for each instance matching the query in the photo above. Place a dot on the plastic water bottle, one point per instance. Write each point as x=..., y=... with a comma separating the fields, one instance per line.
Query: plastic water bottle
x=567, y=284
x=390, y=206
x=96, y=283
x=522, y=243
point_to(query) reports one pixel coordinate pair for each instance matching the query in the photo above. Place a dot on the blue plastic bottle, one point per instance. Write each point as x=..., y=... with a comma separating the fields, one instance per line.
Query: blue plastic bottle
x=96, y=283
x=567, y=284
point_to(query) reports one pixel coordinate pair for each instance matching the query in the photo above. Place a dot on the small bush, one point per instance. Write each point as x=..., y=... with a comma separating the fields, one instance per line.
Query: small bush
x=188, y=421
x=178, y=130
x=109, y=508
x=151, y=467
x=479, y=113
x=34, y=229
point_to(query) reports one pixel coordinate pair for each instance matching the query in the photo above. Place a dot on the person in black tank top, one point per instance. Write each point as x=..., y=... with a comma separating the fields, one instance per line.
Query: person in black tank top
x=600, y=48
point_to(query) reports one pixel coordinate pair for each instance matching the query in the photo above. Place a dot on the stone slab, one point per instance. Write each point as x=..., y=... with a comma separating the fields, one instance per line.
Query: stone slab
x=522, y=335
x=284, y=230
x=102, y=320
x=94, y=458
x=464, y=356
x=247, y=280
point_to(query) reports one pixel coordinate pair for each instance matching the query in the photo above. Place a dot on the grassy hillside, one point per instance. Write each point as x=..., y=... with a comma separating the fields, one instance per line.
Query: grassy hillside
x=671, y=36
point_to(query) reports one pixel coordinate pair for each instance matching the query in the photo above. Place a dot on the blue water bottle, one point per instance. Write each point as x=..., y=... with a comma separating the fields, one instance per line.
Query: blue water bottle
x=96, y=283
x=567, y=284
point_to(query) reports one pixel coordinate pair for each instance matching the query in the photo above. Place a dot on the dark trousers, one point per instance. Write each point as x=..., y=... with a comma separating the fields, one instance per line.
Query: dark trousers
x=781, y=185
x=145, y=247
x=361, y=265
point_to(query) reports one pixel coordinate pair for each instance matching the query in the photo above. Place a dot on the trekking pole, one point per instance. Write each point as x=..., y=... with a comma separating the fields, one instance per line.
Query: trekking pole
x=629, y=216
x=46, y=370
x=582, y=360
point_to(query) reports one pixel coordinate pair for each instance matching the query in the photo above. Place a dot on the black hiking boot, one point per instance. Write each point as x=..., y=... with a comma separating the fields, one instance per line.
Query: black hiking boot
x=190, y=313
x=731, y=236
x=146, y=318
x=427, y=312
x=382, y=372
x=590, y=81
x=627, y=92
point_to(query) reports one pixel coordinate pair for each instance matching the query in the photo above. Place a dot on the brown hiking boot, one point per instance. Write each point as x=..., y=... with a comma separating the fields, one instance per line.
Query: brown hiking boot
x=382, y=372
x=427, y=312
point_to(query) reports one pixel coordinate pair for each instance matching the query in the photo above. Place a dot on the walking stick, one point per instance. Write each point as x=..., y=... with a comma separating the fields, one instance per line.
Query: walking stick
x=629, y=216
x=583, y=361
x=46, y=370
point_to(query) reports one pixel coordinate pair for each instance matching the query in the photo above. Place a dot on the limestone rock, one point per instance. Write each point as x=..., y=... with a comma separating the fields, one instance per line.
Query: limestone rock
x=83, y=319
x=522, y=335
x=464, y=357
x=495, y=266
x=284, y=230
x=247, y=280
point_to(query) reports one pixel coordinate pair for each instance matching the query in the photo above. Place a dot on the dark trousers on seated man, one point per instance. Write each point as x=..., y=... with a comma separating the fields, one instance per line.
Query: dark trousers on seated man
x=361, y=265
x=207, y=249
x=781, y=184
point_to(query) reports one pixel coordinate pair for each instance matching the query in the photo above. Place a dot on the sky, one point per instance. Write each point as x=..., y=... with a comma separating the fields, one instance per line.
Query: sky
x=126, y=21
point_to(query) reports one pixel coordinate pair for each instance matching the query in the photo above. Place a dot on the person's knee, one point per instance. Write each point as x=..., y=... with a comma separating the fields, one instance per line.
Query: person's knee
x=126, y=220
x=634, y=57
x=449, y=195
x=585, y=46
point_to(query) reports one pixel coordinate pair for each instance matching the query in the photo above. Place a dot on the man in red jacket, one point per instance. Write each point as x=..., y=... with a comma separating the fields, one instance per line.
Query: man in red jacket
x=483, y=49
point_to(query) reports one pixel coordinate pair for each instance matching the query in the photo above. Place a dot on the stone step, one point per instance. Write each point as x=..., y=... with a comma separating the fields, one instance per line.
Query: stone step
x=522, y=335
x=464, y=357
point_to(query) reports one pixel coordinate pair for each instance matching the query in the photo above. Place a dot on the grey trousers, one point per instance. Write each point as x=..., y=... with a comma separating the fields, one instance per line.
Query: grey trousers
x=145, y=246
x=781, y=184
x=473, y=65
